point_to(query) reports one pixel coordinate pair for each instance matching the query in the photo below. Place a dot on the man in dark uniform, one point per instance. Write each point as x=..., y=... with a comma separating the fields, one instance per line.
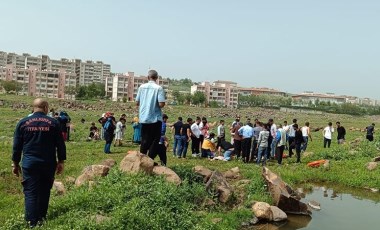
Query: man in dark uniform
x=39, y=141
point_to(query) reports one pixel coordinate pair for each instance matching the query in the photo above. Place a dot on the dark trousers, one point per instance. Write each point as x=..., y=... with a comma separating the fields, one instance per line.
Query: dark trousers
x=291, y=145
x=162, y=154
x=37, y=183
x=150, y=137
x=369, y=137
x=237, y=147
x=279, y=153
x=298, y=152
x=269, y=149
x=246, y=148
x=254, y=150
x=195, y=145
x=326, y=142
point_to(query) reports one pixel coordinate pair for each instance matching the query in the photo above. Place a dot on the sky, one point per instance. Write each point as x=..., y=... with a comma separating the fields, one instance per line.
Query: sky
x=293, y=45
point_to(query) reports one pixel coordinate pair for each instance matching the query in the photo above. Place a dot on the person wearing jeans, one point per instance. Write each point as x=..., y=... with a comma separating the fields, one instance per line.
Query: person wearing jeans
x=327, y=135
x=306, y=135
x=262, y=145
x=185, y=138
x=177, y=135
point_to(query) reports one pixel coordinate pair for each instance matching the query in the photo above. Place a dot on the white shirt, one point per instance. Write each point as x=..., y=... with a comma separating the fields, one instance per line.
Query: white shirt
x=328, y=132
x=305, y=131
x=291, y=131
x=195, y=130
x=273, y=130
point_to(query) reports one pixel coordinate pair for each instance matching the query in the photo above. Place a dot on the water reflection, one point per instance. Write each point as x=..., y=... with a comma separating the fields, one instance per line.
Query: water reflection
x=341, y=208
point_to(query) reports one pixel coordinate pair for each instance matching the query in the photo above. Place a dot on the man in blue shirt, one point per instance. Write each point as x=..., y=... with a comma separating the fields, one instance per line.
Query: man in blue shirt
x=39, y=141
x=247, y=133
x=150, y=99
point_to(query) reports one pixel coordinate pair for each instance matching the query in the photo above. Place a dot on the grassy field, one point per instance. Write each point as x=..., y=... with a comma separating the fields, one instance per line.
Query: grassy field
x=142, y=202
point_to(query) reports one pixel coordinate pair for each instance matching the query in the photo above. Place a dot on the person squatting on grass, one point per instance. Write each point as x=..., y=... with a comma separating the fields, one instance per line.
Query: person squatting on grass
x=150, y=99
x=209, y=146
x=39, y=141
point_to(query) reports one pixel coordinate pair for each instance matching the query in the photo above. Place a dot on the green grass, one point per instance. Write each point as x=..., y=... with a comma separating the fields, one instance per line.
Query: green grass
x=142, y=202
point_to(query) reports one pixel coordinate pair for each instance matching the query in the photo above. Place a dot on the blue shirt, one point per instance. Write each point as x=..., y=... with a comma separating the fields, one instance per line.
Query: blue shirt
x=148, y=96
x=39, y=140
x=246, y=131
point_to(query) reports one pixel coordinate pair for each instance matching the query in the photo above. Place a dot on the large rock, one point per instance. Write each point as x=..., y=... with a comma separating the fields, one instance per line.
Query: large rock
x=109, y=162
x=267, y=212
x=219, y=185
x=90, y=172
x=59, y=188
x=371, y=166
x=203, y=171
x=233, y=173
x=169, y=174
x=278, y=214
x=262, y=210
x=136, y=162
x=283, y=195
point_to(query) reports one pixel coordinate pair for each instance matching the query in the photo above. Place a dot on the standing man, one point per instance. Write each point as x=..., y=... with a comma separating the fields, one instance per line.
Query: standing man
x=237, y=139
x=306, y=135
x=370, y=130
x=291, y=136
x=195, y=137
x=39, y=141
x=341, y=132
x=281, y=142
x=273, y=133
x=150, y=99
x=327, y=135
x=177, y=135
x=162, y=145
x=247, y=133
x=221, y=132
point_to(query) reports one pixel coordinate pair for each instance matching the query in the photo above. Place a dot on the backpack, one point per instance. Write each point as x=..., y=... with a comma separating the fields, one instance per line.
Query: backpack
x=108, y=124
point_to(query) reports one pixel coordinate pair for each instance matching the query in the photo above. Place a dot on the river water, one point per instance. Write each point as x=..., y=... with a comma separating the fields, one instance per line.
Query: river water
x=341, y=208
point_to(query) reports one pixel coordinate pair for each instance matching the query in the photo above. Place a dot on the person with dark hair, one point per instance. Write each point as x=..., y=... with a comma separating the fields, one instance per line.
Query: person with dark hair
x=237, y=139
x=150, y=99
x=370, y=131
x=163, y=144
x=221, y=132
x=185, y=138
x=64, y=121
x=306, y=135
x=195, y=137
x=281, y=142
x=119, y=132
x=262, y=144
x=39, y=142
x=298, y=140
x=209, y=146
x=177, y=135
x=228, y=149
x=109, y=129
x=247, y=133
x=327, y=135
x=94, y=132
x=341, y=132
x=291, y=136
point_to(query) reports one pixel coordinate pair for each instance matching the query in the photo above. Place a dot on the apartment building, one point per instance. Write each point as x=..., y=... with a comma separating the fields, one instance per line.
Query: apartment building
x=311, y=97
x=40, y=83
x=225, y=93
x=259, y=91
x=126, y=85
x=52, y=76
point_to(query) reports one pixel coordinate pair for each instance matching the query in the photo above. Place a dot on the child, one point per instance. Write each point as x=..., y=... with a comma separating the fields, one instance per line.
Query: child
x=119, y=132
x=94, y=132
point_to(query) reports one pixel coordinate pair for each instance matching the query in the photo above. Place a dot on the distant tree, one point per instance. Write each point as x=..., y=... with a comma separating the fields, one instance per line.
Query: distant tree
x=198, y=98
x=214, y=104
x=71, y=90
x=10, y=86
x=188, y=98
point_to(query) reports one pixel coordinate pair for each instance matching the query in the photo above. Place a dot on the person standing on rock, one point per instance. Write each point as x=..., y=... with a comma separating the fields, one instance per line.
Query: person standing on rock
x=370, y=131
x=150, y=99
x=341, y=132
x=327, y=135
x=39, y=141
